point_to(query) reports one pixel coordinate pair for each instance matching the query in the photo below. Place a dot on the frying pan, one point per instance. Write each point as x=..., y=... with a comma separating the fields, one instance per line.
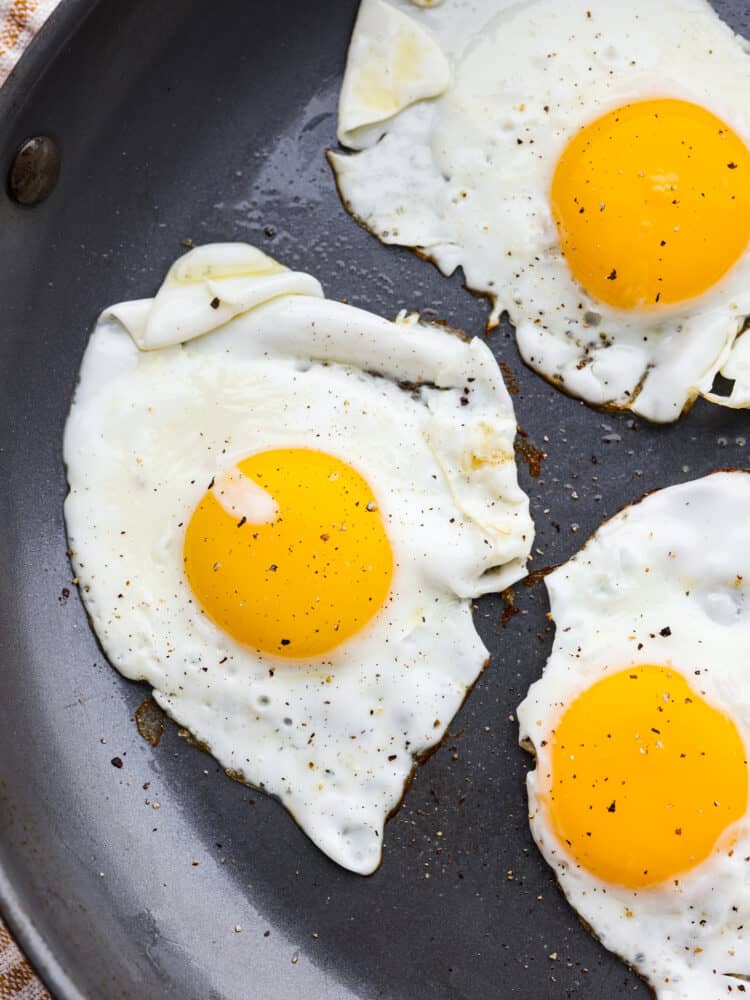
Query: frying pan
x=187, y=120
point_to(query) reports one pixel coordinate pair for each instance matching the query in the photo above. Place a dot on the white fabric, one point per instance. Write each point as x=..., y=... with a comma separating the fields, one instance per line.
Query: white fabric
x=19, y=22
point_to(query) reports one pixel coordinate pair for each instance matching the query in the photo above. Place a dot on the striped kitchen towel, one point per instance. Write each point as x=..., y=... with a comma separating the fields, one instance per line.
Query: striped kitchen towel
x=17, y=981
x=19, y=22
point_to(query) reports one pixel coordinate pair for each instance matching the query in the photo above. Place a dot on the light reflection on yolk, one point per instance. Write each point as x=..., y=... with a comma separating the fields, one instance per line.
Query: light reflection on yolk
x=646, y=777
x=309, y=578
x=652, y=203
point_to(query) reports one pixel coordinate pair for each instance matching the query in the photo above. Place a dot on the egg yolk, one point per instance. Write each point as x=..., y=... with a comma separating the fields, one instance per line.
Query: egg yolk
x=289, y=554
x=652, y=203
x=645, y=778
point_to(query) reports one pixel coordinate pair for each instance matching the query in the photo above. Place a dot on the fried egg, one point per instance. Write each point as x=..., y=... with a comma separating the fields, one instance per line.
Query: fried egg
x=280, y=509
x=640, y=726
x=585, y=163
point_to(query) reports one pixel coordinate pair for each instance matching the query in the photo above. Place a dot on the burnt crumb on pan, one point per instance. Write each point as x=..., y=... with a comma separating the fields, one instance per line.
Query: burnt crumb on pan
x=510, y=610
x=537, y=576
x=532, y=456
x=116, y=762
x=64, y=595
x=188, y=243
x=149, y=719
x=511, y=382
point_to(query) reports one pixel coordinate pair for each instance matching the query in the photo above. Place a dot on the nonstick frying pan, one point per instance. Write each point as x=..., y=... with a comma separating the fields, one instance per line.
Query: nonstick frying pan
x=191, y=121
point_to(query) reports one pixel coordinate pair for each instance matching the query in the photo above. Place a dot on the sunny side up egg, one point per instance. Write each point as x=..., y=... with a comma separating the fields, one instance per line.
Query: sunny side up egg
x=586, y=163
x=280, y=509
x=640, y=726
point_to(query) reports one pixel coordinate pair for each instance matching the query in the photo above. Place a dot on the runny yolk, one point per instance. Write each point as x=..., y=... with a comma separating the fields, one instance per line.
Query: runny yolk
x=288, y=552
x=652, y=203
x=646, y=778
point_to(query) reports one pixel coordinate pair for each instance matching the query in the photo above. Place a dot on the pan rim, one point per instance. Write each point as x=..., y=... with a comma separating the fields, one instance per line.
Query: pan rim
x=15, y=93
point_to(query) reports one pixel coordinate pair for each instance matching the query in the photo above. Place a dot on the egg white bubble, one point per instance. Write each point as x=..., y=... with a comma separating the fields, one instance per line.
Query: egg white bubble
x=665, y=582
x=463, y=173
x=237, y=355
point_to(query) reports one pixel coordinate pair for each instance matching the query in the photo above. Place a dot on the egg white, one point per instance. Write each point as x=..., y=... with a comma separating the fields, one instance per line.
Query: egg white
x=678, y=561
x=464, y=176
x=237, y=355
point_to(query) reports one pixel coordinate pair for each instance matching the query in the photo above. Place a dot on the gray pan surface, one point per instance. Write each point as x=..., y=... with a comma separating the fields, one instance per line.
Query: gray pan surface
x=187, y=120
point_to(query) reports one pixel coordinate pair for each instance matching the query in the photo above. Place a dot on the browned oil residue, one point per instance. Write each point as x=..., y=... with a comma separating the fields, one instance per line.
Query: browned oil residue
x=193, y=741
x=511, y=383
x=510, y=610
x=537, y=576
x=532, y=456
x=150, y=721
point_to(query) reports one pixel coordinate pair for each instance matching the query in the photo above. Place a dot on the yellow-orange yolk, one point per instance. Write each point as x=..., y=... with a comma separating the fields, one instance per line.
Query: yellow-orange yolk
x=645, y=779
x=309, y=572
x=652, y=203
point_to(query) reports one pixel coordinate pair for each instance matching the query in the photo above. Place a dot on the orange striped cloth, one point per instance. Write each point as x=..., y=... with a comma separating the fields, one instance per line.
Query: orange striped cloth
x=17, y=981
x=19, y=22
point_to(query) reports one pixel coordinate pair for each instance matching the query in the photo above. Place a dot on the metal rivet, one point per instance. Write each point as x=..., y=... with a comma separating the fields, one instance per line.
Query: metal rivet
x=35, y=170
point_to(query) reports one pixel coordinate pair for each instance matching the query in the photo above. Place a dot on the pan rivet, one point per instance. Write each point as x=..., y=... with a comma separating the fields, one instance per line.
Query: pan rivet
x=35, y=170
